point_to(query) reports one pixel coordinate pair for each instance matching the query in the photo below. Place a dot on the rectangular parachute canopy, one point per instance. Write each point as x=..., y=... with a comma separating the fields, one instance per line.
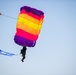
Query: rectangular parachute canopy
x=28, y=26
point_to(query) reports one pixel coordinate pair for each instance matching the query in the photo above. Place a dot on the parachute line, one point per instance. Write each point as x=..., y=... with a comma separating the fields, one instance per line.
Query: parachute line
x=8, y=16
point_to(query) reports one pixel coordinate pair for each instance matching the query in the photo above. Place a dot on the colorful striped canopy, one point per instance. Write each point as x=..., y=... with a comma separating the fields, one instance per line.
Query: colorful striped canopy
x=28, y=26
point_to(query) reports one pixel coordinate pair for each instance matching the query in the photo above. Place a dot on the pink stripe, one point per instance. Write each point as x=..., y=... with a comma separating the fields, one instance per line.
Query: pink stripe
x=26, y=34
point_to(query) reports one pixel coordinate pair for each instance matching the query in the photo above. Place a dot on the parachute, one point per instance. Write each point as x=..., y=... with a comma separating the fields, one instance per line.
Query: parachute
x=28, y=26
x=6, y=53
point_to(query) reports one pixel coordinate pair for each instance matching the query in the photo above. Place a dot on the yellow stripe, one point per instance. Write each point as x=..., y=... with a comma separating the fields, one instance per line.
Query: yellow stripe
x=29, y=23
x=27, y=29
x=31, y=18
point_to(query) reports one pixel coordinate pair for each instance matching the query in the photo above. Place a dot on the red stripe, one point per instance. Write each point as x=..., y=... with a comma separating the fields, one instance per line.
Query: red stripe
x=26, y=34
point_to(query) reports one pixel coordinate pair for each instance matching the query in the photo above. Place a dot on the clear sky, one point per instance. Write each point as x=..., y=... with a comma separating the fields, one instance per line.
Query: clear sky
x=55, y=51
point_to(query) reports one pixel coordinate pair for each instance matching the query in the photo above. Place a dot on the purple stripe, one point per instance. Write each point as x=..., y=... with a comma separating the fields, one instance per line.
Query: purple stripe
x=33, y=10
x=22, y=41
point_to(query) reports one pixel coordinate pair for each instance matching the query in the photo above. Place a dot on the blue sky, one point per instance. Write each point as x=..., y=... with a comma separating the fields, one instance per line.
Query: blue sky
x=55, y=51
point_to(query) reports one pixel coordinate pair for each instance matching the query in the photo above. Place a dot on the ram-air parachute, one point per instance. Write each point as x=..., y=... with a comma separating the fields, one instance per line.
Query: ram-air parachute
x=28, y=26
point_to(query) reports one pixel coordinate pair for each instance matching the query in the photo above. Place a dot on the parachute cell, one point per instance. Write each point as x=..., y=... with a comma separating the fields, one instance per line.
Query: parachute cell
x=28, y=26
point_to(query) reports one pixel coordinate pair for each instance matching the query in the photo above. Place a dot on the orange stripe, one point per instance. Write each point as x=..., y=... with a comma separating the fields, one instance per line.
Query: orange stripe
x=27, y=29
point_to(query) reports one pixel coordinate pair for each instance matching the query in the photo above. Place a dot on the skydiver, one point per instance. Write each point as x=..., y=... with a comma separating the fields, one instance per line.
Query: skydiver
x=23, y=52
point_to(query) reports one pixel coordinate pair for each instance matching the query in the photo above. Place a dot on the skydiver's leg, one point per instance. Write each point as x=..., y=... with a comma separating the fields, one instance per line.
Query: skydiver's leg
x=23, y=59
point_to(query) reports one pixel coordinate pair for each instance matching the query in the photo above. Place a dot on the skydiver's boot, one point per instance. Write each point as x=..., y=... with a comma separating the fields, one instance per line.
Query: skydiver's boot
x=22, y=60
